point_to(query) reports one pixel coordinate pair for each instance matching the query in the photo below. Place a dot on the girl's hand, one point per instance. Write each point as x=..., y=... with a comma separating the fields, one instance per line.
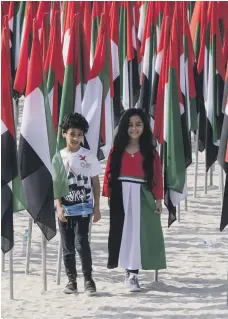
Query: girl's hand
x=158, y=205
x=61, y=216
x=96, y=214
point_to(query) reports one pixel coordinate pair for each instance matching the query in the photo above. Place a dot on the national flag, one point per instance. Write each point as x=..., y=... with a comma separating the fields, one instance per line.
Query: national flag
x=22, y=69
x=16, y=21
x=8, y=147
x=44, y=35
x=96, y=105
x=191, y=5
x=198, y=33
x=86, y=42
x=223, y=147
x=148, y=51
x=215, y=87
x=114, y=33
x=174, y=155
x=142, y=19
x=159, y=10
x=223, y=161
x=54, y=69
x=37, y=146
x=158, y=90
x=129, y=73
x=96, y=18
x=72, y=7
x=72, y=84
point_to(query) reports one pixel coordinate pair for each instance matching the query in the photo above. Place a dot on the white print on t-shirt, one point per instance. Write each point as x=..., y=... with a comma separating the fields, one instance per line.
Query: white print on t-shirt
x=81, y=166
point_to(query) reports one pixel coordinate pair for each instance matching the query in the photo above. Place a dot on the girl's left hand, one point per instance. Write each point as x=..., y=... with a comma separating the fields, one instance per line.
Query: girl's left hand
x=158, y=205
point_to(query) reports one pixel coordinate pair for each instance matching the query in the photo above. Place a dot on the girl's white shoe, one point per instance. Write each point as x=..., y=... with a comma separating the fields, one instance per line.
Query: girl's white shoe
x=133, y=283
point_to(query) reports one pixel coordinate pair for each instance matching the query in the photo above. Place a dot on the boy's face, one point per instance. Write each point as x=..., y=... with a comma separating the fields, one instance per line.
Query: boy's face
x=74, y=137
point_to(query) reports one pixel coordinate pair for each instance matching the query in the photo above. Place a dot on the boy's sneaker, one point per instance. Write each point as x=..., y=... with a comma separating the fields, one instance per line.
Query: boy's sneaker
x=133, y=283
x=90, y=287
x=71, y=288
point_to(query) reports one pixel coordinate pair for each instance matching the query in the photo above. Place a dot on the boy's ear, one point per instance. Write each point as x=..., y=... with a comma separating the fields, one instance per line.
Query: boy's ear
x=63, y=133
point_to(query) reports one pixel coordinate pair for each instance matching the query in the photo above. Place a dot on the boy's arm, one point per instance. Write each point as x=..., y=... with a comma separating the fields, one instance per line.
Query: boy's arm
x=60, y=210
x=96, y=195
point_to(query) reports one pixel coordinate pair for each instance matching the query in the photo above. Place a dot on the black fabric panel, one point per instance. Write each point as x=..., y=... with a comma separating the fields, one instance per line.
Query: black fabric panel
x=186, y=136
x=7, y=235
x=211, y=149
x=116, y=224
x=117, y=104
x=223, y=145
x=38, y=189
x=144, y=100
x=8, y=157
x=224, y=216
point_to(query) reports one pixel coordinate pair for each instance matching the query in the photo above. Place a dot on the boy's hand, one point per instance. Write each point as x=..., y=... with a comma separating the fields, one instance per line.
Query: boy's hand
x=61, y=216
x=96, y=214
x=158, y=209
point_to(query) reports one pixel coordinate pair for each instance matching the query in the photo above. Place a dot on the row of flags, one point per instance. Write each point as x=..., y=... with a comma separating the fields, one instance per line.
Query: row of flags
x=100, y=58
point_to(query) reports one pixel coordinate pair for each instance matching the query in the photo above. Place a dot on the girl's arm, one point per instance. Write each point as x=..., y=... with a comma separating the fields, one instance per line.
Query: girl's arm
x=157, y=189
x=106, y=191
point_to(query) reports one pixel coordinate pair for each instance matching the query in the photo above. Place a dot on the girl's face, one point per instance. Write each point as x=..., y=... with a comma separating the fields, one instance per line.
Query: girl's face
x=135, y=127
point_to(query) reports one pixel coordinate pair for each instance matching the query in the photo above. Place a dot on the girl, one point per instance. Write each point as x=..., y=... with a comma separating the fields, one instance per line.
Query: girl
x=133, y=184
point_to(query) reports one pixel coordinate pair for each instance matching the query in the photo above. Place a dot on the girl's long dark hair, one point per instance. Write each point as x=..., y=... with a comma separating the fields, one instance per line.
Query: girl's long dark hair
x=147, y=147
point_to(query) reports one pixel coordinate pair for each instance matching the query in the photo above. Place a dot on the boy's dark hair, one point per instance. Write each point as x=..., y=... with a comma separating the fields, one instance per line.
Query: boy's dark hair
x=74, y=120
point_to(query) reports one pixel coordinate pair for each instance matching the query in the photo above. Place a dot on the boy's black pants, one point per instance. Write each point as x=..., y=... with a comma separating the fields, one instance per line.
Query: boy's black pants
x=74, y=234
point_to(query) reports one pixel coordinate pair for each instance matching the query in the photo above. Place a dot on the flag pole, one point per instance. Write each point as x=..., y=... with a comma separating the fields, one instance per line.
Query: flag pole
x=44, y=270
x=60, y=252
x=11, y=273
x=211, y=175
x=196, y=159
x=28, y=247
x=131, y=84
x=221, y=184
x=3, y=262
x=178, y=213
x=205, y=174
x=186, y=200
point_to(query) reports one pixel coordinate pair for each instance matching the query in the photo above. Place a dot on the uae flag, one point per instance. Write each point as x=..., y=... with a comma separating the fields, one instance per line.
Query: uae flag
x=174, y=155
x=22, y=69
x=54, y=69
x=198, y=34
x=96, y=19
x=142, y=17
x=72, y=86
x=96, y=105
x=36, y=150
x=184, y=83
x=86, y=38
x=158, y=91
x=16, y=20
x=44, y=35
x=215, y=87
x=148, y=51
x=114, y=33
x=129, y=73
x=223, y=161
x=8, y=147
x=189, y=58
x=222, y=155
x=72, y=7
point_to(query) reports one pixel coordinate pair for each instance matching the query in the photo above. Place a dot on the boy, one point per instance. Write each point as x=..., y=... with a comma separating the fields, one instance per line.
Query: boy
x=75, y=209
